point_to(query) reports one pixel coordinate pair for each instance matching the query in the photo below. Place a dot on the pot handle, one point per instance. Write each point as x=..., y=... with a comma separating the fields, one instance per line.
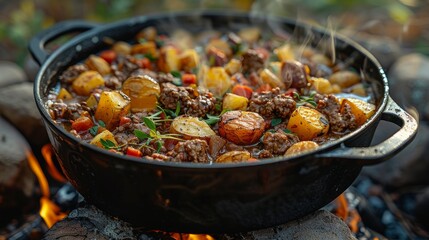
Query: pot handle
x=384, y=150
x=37, y=43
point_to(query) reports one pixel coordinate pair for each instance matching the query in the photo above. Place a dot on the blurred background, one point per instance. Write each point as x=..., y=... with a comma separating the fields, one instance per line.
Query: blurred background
x=395, y=31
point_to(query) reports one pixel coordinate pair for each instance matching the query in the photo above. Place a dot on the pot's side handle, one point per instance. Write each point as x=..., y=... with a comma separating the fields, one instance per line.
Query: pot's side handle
x=384, y=150
x=39, y=41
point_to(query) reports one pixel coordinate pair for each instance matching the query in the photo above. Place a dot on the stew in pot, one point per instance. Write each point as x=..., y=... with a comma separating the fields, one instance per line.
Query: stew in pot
x=212, y=98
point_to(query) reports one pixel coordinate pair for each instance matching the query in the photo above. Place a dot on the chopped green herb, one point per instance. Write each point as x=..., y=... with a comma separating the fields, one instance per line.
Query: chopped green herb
x=150, y=57
x=93, y=130
x=177, y=82
x=287, y=131
x=302, y=100
x=177, y=112
x=159, y=146
x=218, y=106
x=176, y=74
x=141, y=135
x=149, y=123
x=275, y=121
x=107, y=144
x=142, y=40
x=211, y=119
x=101, y=123
x=159, y=42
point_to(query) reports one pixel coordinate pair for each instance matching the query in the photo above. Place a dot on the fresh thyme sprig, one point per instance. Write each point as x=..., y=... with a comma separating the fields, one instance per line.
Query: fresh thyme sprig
x=302, y=100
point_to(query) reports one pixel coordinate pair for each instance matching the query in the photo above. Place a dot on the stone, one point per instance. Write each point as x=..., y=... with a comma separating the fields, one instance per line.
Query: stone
x=18, y=106
x=409, y=81
x=318, y=225
x=89, y=222
x=17, y=182
x=407, y=168
x=11, y=73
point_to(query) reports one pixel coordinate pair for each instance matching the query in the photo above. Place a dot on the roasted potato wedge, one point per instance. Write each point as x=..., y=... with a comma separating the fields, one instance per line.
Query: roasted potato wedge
x=63, y=94
x=191, y=127
x=308, y=123
x=269, y=77
x=285, y=52
x=323, y=86
x=169, y=59
x=98, y=64
x=361, y=110
x=143, y=92
x=233, y=67
x=86, y=82
x=241, y=127
x=105, y=135
x=300, y=147
x=216, y=80
x=234, y=102
x=189, y=60
x=345, y=78
x=234, y=156
x=111, y=107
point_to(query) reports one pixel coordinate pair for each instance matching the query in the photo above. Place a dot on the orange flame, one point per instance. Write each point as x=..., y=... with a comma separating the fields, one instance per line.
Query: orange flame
x=49, y=211
x=181, y=236
x=53, y=171
x=351, y=217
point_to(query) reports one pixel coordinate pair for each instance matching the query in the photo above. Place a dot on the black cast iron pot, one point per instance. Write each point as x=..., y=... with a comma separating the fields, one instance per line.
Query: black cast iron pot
x=201, y=198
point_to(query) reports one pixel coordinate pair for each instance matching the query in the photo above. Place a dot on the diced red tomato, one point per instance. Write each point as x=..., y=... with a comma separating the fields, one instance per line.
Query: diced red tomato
x=82, y=124
x=290, y=92
x=133, y=152
x=108, y=55
x=124, y=120
x=264, y=88
x=144, y=63
x=242, y=90
x=188, y=79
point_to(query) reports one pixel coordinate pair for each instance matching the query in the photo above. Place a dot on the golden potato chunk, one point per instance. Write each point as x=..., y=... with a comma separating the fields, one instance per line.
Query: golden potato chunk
x=111, y=107
x=216, y=80
x=250, y=34
x=143, y=92
x=121, y=47
x=323, y=86
x=233, y=157
x=191, y=127
x=234, y=102
x=285, y=53
x=269, y=77
x=345, y=78
x=233, y=67
x=92, y=101
x=169, y=59
x=189, y=59
x=300, y=147
x=220, y=45
x=98, y=64
x=63, y=94
x=105, y=135
x=241, y=127
x=148, y=47
x=308, y=123
x=361, y=110
x=86, y=82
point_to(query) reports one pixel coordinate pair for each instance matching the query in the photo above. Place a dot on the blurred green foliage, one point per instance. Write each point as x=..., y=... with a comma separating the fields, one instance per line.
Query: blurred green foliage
x=22, y=19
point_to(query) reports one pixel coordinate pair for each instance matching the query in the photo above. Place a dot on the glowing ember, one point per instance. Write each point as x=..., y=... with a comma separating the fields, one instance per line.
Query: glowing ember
x=49, y=211
x=180, y=236
x=350, y=216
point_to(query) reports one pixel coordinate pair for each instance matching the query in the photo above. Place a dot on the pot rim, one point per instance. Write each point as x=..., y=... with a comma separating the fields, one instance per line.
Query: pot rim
x=215, y=166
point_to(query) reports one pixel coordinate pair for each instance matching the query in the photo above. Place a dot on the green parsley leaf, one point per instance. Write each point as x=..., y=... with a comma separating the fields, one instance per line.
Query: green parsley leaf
x=93, y=130
x=287, y=131
x=159, y=146
x=150, y=57
x=275, y=121
x=149, y=123
x=177, y=82
x=141, y=135
x=211, y=119
x=101, y=123
x=107, y=144
x=176, y=74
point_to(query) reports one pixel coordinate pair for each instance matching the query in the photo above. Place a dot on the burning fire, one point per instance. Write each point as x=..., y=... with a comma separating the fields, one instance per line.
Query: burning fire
x=349, y=216
x=49, y=211
x=179, y=236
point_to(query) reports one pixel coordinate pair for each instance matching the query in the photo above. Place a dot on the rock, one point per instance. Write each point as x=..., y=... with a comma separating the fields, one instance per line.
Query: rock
x=89, y=223
x=407, y=168
x=17, y=105
x=319, y=225
x=17, y=182
x=11, y=74
x=409, y=81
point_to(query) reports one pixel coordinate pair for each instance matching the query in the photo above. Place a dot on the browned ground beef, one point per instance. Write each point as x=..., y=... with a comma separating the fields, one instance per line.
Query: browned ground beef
x=192, y=102
x=272, y=103
x=72, y=73
x=190, y=151
x=123, y=67
x=278, y=142
x=328, y=105
x=251, y=61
